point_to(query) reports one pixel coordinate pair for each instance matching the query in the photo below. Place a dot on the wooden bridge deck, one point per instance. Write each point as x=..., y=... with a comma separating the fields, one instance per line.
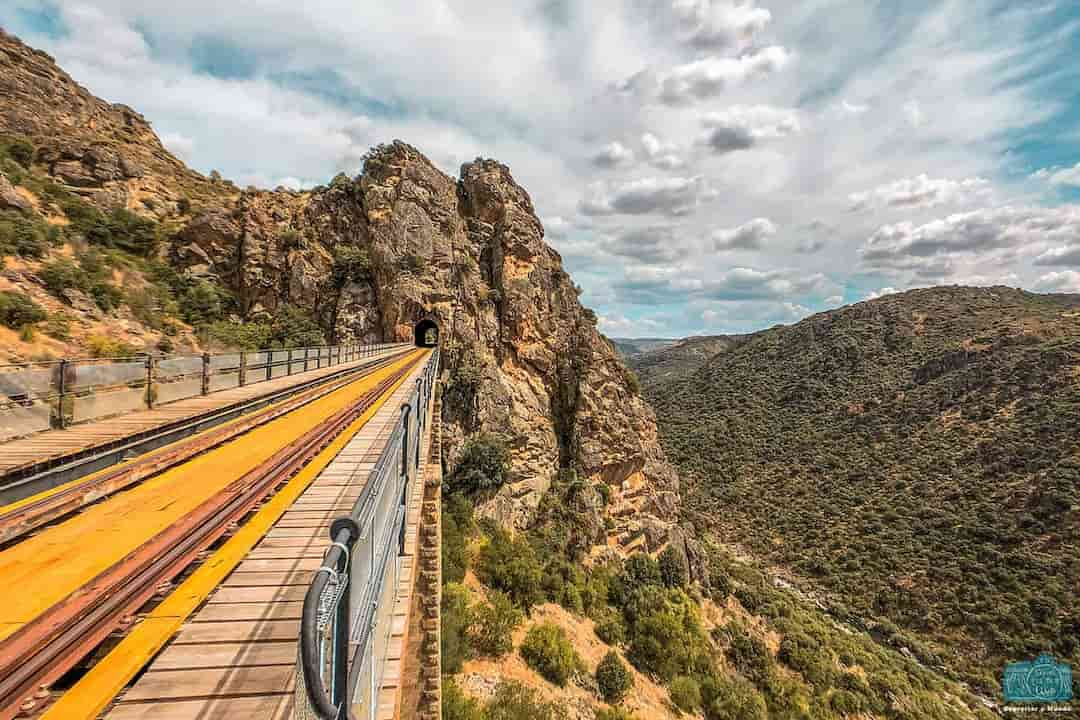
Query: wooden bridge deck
x=53, y=445
x=235, y=657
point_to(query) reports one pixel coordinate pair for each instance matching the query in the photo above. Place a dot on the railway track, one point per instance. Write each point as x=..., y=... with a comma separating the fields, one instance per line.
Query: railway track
x=57, y=639
x=23, y=517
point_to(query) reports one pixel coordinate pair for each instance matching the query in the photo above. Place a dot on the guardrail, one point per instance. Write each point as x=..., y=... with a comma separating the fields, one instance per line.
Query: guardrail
x=38, y=396
x=346, y=622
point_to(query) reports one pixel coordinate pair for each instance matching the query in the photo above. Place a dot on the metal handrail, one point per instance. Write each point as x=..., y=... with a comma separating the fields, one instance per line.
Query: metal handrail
x=355, y=608
x=37, y=396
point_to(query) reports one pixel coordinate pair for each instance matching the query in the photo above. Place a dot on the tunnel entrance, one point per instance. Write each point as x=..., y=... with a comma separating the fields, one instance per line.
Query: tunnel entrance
x=426, y=333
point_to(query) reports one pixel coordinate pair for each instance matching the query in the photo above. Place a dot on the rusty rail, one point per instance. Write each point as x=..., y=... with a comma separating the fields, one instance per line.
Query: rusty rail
x=54, y=642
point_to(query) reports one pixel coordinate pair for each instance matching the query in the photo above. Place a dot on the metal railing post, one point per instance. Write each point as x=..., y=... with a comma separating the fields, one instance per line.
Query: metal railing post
x=290, y=362
x=405, y=410
x=243, y=367
x=150, y=366
x=269, y=364
x=206, y=373
x=61, y=389
x=307, y=352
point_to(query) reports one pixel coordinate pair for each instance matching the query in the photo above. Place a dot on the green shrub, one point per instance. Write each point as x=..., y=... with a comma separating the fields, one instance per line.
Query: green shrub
x=456, y=705
x=514, y=701
x=746, y=652
x=58, y=326
x=18, y=149
x=613, y=678
x=734, y=699
x=62, y=274
x=351, y=265
x=204, y=302
x=457, y=528
x=665, y=635
x=638, y=571
x=23, y=236
x=548, y=651
x=293, y=327
x=120, y=228
x=610, y=627
x=27, y=333
x=18, y=310
x=510, y=565
x=494, y=623
x=100, y=346
x=456, y=622
x=106, y=295
x=483, y=464
x=685, y=694
x=673, y=570
x=236, y=335
x=614, y=713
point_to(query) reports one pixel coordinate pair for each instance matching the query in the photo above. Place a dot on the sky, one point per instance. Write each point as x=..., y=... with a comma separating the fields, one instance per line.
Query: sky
x=703, y=166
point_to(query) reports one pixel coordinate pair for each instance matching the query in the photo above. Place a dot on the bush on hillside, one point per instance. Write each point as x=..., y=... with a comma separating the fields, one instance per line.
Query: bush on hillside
x=18, y=149
x=548, y=651
x=613, y=678
x=351, y=265
x=456, y=705
x=494, y=623
x=482, y=465
x=510, y=564
x=23, y=236
x=514, y=701
x=614, y=713
x=457, y=619
x=685, y=693
x=732, y=698
x=458, y=526
x=673, y=570
x=18, y=310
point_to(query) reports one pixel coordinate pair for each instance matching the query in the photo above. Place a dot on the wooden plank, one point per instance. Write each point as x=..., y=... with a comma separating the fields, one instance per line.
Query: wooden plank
x=221, y=682
x=266, y=707
x=262, y=579
x=228, y=612
x=235, y=654
x=238, y=631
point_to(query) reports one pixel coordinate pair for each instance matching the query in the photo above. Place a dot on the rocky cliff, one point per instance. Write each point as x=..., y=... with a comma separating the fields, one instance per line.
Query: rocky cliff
x=370, y=257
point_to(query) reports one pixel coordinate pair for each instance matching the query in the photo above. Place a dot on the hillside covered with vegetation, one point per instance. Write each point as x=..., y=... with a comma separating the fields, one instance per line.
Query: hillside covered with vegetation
x=914, y=459
x=540, y=626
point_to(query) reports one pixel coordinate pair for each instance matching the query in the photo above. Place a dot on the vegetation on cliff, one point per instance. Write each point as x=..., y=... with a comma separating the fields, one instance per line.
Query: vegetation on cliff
x=731, y=647
x=915, y=457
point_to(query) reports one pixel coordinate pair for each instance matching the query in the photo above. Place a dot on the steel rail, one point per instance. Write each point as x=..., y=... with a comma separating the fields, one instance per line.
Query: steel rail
x=51, y=644
x=29, y=516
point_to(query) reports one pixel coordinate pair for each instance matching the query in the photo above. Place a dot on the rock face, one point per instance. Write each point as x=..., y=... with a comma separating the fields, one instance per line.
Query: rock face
x=373, y=256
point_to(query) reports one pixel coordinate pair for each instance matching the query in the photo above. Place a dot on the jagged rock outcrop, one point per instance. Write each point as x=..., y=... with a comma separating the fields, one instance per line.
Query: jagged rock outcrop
x=372, y=256
x=524, y=357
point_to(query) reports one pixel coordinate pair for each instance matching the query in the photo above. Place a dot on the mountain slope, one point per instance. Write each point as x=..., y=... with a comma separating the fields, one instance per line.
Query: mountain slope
x=915, y=456
x=361, y=258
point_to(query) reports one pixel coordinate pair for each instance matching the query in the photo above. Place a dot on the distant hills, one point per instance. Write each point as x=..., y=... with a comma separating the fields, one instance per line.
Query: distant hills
x=914, y=458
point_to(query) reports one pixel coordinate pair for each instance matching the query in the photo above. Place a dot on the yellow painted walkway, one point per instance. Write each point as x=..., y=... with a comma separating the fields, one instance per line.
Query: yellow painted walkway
x=50, y=566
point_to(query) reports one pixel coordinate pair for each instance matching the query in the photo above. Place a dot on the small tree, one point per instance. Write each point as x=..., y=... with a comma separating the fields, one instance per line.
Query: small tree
x=685, y=694
x=493, y=625
x=548, y=651
x=514, y=701
x=613, y=678
x=18, y=310
x=673, y=570
x=483, y=464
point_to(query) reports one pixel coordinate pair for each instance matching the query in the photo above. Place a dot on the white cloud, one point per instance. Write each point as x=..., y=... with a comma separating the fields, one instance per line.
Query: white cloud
x=1060, y=176
x=1065, y=281
x=613, y=155
x=741, y=127
x=710, y=76
x=748, y=236
x=834, y=300
x=942, y=90
x=716, y=24
x=914, y=113
x=662, y=155
x=665, y=196
x=875, y=294
x=178, y=144
x=853, y=108
x=977, y=232
x=921, y=191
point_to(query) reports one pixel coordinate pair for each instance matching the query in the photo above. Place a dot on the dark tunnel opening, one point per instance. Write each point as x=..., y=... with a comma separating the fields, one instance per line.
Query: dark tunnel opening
x=426, y=333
